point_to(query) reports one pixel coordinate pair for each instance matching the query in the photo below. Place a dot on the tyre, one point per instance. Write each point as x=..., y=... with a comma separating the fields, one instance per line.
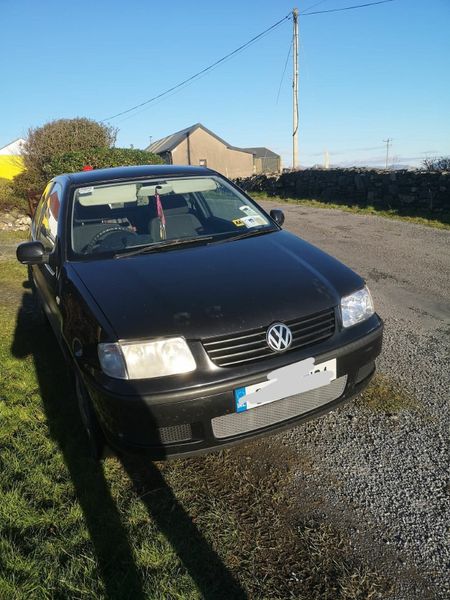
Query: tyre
x=91, y=425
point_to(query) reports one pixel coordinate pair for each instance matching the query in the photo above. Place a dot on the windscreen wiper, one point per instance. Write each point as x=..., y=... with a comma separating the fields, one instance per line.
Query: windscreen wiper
x=156, y=246
x=249, y=233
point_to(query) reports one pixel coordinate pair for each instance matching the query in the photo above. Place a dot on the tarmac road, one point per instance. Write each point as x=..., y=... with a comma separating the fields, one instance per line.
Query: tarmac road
x=385, y=478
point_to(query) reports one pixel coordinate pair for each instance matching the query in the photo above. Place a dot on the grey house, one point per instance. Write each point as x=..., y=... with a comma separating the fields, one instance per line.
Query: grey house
x=197, y=145
x=264, y=160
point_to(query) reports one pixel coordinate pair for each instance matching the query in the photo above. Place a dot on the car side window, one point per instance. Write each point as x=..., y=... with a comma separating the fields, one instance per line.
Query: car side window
x=38, y=212
x=48, y=218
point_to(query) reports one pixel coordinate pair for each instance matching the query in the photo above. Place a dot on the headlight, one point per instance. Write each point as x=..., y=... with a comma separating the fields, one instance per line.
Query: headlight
x=357, y=307
x=146, y=359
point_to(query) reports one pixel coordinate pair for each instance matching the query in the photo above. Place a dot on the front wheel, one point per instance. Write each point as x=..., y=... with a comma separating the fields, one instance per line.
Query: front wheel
x=90, y=421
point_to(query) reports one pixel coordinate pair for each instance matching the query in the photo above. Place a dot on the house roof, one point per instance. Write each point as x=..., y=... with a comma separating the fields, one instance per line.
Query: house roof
x=261, y=152
x=13, y=148
x=170, y=142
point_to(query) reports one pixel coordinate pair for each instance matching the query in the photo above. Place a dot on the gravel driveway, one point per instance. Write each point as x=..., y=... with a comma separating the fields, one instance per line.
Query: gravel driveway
x=384, y=478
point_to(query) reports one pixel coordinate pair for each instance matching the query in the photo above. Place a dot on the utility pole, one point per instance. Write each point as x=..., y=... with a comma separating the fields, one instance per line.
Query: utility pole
x=388, y=142
x=295, y=91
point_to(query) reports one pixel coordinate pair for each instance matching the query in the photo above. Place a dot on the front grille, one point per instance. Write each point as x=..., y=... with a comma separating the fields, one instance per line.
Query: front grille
x=250, y=346
x=175, y=433
x=278, y=411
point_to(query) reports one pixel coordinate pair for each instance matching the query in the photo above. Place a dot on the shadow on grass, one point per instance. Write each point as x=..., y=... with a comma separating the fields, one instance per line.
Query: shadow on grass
x=118, y=570
x=203, y=564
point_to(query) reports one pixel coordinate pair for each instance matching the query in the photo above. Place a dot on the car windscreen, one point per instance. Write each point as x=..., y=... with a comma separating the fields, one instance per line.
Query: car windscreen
x=116, y=217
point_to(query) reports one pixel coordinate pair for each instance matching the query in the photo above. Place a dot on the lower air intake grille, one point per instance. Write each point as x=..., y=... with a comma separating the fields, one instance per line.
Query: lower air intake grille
x=250, y=346
x=175, y=433
x=278, y=411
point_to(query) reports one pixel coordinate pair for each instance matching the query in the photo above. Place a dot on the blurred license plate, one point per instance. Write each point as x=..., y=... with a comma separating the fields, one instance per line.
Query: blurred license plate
x=243, y=396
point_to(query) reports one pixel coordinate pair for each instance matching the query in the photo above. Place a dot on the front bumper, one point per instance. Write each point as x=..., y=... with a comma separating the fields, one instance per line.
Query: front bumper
x=185, y=422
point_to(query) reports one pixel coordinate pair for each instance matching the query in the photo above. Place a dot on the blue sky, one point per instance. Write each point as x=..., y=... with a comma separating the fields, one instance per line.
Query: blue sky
x=365, y=75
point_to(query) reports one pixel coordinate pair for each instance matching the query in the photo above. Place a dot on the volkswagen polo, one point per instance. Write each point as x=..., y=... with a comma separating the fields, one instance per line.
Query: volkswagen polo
x=191, y=319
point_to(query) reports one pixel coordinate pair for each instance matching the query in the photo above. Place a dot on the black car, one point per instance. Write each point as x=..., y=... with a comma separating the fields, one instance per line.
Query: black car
x=191, y=319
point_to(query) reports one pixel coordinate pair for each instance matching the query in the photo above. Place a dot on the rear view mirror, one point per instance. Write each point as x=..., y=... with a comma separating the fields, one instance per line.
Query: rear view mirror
x=278, y=216
x=150, y=190
x=31, y=253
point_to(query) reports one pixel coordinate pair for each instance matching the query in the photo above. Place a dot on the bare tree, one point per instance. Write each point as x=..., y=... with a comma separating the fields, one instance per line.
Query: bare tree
x=438, y=163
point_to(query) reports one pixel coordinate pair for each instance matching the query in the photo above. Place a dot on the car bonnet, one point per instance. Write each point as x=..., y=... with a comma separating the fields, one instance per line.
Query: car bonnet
x=216, y=289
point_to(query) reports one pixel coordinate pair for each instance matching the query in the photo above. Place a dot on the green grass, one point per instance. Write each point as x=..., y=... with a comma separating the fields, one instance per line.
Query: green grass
x=8, y=237
x=221, y=526
x=430, y=220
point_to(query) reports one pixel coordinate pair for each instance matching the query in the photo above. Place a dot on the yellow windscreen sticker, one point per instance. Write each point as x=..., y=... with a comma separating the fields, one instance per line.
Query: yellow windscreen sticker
x=238, y=222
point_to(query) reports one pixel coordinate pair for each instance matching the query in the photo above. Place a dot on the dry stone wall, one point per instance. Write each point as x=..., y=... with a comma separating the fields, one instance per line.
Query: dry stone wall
x=407, y=191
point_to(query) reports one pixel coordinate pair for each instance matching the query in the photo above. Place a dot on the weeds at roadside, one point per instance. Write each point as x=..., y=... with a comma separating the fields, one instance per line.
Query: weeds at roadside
x=383, y=395
x=442, y=223
x=279, y=556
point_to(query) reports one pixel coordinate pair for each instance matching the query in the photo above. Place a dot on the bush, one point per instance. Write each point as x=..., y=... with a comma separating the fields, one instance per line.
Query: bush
x=9, y=199
x=27, y=181
x=100, y=158
x=32, y=182
x=58, y=137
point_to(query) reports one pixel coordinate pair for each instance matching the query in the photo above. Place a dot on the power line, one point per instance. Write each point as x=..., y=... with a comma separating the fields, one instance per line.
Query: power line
x=227, y=57
x=190, y=79
x=313, y=6
x=348, y=150
x=320, y=12
x=284, y=70
x=168, y=95
x=177, y=90
x=215, y=64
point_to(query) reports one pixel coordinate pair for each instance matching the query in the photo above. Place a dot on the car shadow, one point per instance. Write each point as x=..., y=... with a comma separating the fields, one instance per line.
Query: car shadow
x=116, y=562
x=211, y=577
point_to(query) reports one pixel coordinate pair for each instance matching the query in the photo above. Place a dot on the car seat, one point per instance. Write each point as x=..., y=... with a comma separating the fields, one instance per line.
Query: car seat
x=180, y=220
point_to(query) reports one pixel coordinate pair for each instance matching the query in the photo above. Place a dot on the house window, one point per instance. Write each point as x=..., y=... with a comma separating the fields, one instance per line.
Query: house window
x=203, y=162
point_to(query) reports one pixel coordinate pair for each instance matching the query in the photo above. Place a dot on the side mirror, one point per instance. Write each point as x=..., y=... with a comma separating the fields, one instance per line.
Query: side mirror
x=31, y=253
x=278, y=216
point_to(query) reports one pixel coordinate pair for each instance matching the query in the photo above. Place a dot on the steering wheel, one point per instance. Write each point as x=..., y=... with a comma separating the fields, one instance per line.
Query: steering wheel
x=101, y=235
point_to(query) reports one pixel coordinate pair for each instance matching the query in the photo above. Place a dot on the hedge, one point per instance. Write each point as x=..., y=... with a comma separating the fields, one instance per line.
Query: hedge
x=100, y=158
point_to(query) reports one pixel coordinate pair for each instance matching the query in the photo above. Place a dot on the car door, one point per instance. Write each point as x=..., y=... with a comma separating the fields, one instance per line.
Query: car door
x=44, y=230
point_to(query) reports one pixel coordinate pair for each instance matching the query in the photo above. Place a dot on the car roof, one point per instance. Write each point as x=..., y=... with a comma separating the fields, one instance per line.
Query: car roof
x=140, y=171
